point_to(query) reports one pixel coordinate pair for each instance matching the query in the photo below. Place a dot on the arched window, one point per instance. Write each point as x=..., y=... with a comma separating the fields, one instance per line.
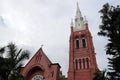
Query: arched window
x=84, y=43
x=87, y=60
x=76, y=64
x=83, y=63
x=52, y=73
x=80, y=64
x=77, y=43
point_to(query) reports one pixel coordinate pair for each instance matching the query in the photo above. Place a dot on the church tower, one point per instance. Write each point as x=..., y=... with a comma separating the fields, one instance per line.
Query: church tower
x=82, y=61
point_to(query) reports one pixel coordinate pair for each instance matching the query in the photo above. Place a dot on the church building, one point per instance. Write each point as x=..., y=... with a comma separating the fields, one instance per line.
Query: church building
x=82, y=60
x=41, y=68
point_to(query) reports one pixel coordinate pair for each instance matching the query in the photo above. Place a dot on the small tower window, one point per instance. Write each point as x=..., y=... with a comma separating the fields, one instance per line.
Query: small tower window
x=84, y=43
x=77, y=43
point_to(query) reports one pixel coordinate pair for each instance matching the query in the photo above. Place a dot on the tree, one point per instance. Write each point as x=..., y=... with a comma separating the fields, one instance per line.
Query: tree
x=110, y=28
x=99, y=75
x=12, y=62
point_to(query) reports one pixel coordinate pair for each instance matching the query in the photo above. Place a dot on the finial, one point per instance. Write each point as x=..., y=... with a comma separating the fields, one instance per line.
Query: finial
x=77, y=5
x=71, y=22
x=41, y=45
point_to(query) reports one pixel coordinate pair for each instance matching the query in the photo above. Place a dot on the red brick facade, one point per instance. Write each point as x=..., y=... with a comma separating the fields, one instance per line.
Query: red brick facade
x=82, y=60
x=41, y=68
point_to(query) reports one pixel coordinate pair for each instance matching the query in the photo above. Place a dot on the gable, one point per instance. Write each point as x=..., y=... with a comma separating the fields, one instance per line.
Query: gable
x=38, y=60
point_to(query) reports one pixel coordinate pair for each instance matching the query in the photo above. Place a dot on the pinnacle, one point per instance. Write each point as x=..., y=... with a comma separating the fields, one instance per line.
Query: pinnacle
x=78, y=12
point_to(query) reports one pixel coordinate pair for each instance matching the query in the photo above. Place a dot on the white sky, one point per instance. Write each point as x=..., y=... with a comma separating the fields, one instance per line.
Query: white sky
x=31, y=23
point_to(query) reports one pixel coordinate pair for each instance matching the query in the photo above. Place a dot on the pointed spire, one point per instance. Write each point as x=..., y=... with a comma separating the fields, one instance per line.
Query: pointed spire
x=78, y=13
x=79, y=22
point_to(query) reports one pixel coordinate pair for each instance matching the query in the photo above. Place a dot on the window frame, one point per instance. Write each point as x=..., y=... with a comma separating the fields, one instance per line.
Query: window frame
x=84, y=43
x=77, y=43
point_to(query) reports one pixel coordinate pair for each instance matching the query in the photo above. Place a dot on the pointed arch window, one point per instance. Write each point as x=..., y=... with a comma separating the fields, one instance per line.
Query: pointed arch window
x=83, y=63
x=80, y=64
x=84, y=43
x=76, y=64
x=87, y=60
x=77, y=43
x=52, y=73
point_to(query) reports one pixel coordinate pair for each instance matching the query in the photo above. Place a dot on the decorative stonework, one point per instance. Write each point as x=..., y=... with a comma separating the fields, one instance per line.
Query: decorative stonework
x=38, y=57
x=38, y=77
x=80, y=22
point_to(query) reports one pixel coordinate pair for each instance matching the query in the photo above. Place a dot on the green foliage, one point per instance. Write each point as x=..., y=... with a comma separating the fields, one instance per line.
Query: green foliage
x=110, y=28
x=63, y=78
x=99, y=75
x=12, y=62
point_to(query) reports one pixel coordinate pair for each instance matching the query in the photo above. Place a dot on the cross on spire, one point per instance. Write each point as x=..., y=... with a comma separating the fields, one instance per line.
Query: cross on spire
x=41, y=45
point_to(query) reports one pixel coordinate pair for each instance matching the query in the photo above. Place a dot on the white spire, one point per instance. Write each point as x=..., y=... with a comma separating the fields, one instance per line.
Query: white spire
x=79, y=23
x=78, y=13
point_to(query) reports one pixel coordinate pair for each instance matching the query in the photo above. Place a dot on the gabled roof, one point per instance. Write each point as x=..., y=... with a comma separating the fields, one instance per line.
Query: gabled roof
x=38, y=60
x=40, y=64
x=45, y=56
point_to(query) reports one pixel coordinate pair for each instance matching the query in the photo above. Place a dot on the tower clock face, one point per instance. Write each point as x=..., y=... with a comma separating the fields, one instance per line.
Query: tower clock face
x=37, y=77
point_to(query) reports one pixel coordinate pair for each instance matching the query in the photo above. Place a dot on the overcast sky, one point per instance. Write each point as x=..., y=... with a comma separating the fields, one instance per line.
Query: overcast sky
x=32, y=23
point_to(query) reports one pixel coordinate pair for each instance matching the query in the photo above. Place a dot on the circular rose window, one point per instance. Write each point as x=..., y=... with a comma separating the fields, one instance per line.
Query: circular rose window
x=37, y=77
